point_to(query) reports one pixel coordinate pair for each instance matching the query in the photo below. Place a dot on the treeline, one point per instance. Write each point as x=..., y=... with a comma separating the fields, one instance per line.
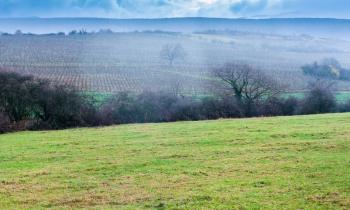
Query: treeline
x=84, y=32
x=329, y=68
x=29, y=103
x=71, y=33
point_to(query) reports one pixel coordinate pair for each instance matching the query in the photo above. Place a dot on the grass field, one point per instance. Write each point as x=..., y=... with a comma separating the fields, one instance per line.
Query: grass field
x=265, y=163
x=99, y=97
x=340, y=96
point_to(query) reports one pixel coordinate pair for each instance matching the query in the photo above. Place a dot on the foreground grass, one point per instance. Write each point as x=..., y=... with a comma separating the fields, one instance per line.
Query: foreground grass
x=269, y=163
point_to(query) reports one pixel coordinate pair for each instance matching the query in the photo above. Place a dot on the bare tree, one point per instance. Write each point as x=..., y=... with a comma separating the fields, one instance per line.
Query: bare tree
x=248, y=85
x=172, y=52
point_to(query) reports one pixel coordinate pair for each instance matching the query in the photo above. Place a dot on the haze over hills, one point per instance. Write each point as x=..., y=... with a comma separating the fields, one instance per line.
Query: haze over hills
x=330, y=28
x=129, y=61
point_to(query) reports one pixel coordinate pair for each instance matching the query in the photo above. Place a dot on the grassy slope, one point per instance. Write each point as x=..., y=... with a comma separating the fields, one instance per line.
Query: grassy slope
x=274, y=163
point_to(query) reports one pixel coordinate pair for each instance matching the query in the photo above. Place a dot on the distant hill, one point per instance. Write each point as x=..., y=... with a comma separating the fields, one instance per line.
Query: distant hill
x=331, y=28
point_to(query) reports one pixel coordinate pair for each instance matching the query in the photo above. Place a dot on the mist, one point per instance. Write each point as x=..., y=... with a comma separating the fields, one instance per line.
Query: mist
x=112, y=55
x=319, y=27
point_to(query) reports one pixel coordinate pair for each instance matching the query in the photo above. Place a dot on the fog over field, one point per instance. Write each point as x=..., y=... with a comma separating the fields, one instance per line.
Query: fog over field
x=129, y=59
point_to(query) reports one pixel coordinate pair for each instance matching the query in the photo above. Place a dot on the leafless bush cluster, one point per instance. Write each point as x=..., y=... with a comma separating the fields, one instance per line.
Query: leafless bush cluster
x=241, y=91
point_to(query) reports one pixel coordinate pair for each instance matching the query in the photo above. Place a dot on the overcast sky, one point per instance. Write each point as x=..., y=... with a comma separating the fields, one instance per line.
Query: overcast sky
x=175, y=8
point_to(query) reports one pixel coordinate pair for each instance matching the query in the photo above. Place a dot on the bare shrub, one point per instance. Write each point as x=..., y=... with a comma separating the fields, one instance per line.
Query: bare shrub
x=319, y=99
x=5, y=124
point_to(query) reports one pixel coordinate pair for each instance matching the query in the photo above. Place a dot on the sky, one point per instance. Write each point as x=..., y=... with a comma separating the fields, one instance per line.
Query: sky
x=176, y=8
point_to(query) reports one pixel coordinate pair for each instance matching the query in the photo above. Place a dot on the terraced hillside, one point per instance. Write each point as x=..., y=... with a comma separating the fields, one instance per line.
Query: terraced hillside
x=263, y=163
x=131, y=61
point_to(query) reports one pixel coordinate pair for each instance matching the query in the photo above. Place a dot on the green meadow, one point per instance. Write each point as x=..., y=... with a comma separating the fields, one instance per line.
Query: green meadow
x=340, y=96
x=299, y=162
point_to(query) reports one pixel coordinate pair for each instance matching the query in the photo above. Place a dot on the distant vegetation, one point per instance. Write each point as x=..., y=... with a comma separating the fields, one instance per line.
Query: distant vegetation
x=328, y=68
x=239, y=91
x=83, y=31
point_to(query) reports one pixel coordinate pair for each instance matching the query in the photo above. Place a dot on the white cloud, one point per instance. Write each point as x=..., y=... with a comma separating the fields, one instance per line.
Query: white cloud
x=172, y=8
